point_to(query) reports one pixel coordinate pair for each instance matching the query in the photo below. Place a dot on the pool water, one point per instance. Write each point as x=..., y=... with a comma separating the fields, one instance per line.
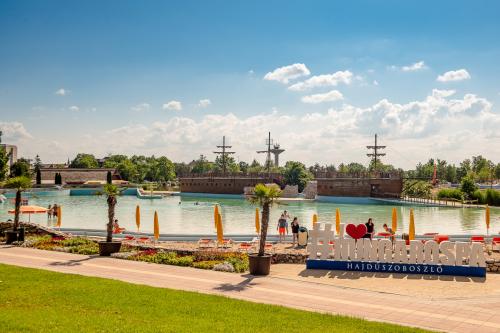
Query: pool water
x=192, y=215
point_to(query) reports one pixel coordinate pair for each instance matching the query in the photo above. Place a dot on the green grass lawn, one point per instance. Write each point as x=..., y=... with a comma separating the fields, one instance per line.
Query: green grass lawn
x=41, y=301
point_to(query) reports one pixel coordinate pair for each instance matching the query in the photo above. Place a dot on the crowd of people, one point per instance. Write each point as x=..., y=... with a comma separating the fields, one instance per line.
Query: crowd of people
x=282, y=228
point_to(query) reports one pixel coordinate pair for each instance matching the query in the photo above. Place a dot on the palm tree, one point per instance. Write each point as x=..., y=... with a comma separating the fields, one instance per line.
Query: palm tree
x=21, y=184
x=265, y=196
x=111, y=193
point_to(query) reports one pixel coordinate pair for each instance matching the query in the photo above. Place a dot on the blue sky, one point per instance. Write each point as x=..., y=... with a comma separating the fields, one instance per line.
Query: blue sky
x=170, y=77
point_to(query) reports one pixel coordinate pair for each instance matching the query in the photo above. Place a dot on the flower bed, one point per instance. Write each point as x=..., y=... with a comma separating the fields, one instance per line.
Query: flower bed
x=213, y=260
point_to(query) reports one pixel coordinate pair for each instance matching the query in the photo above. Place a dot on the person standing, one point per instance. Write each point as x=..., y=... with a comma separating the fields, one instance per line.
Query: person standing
x=49, y=212
x=370, y=229
x=282, y=227
x=295, y=230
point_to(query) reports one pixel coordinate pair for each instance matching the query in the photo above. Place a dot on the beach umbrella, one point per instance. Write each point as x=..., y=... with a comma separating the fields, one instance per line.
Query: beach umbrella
x=59, y=216
x=216, y=214
x=394, y=220
x=156, y=227
x=487, y=217
x=257, y=222
x=315, y=218
x=138, y=217
x=411, y=232
x=337, y=221
x=220, y=233
x=29, y=210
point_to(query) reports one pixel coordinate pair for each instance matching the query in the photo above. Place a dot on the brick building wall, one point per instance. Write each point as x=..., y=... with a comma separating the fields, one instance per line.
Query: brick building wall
x=75, y=175
x=220, y=185
x=360, y=187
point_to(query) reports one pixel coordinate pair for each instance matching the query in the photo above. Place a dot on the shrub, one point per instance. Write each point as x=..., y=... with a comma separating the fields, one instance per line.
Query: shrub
x=448, y=193
x=479, y=196
x=224, y=267
x=492, y=197
x=87, y=249
x=468, y=186
x=240, y=265
x=217, y=256
x=182, y=261
x=77, y=241
x=209, y=264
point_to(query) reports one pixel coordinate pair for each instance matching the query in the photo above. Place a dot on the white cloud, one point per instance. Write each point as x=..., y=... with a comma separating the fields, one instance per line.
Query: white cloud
x=62, y=92
x=172, y=105
x=325, y=80
x=458, y=75
x=74, y=108
x=375, y=82
x=13, y=132
x=286, y=73
x=420, y=65
x=330, y=96
x=203, y=103
x=141, y=107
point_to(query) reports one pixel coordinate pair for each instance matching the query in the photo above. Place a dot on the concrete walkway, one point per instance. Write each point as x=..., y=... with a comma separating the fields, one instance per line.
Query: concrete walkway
x=442, y=304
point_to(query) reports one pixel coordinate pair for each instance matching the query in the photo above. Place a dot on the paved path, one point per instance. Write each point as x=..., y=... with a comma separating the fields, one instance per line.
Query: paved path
x=290, y=285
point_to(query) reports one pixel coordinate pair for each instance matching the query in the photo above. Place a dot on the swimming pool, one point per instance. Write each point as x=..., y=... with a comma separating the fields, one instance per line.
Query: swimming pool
x=194, y=215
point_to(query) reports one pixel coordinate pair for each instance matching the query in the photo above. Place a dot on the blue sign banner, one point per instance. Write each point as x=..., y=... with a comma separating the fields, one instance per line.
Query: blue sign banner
x=362, y=266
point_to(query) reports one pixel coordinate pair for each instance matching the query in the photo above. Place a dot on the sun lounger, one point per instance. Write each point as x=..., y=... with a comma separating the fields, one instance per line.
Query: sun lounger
x=245, y=247
x=477, y=239
x=495, y=244
x=143, y=240
x=205, y=243
x=441, y=238
x=225, y=243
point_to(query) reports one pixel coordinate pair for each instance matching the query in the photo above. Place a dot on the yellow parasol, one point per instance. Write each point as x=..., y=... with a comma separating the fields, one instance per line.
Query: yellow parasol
x=138, y=217
x=220, y=233
x=337, y=221
x=315, y=218
x=59, y=216
x=156, y=227
x=411, y=231
x=216, y=214
x=257, y=222
x=394, y=220
x=487, y=217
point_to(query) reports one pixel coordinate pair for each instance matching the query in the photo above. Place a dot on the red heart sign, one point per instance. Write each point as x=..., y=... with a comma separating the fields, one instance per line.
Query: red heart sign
x=356, y=231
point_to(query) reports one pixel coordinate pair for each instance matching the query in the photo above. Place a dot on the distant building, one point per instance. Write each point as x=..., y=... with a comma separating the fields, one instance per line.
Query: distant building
x=12, y=152
x=77, y=176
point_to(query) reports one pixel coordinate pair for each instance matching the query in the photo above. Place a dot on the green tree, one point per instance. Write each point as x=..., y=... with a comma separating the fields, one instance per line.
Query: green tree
x=128, y=171
x=201, y=165
x=243, y=166
x=109, y=178
x=468, y=186
x=264, y=196
x=231, y=165
x=112, y=161
x=20, y=183
x=38, y=177
x=255, y=167
x=87, y=161
x=4, y=163
x=497, y=171
x=165, y=169
x=295, y=173
x=354, y=167
x=20, y=168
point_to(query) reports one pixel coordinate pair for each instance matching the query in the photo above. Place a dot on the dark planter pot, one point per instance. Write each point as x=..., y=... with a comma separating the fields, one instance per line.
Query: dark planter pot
x=107, y=248
x=11, y=236
x=259, y=265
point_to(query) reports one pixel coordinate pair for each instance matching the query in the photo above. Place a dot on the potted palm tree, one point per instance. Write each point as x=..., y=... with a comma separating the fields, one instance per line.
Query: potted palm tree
x=109, y=246
x=20, y=183
x=264, y=196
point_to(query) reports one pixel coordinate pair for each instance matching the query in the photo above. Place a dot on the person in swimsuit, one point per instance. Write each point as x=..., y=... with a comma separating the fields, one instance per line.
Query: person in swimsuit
x=282, y=227
x=370, y=229
x=295, y=230
x=389, y=231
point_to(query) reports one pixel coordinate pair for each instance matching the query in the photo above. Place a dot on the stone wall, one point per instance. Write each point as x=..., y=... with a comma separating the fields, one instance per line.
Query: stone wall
x=360, y=187
x=220, y=185
x=75, y=175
